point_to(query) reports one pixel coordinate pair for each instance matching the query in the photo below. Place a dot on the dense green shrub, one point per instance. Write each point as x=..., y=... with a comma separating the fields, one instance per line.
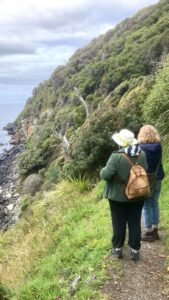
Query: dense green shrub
x=52, y=175
x=39, y=149
x=5, y=293
x=31, y=160
x=130, y=105
x=110, y=71
x=93, y=144
x=156, y=107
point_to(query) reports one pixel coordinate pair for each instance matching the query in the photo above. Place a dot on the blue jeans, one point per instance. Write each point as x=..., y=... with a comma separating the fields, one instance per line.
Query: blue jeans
x=151, y=208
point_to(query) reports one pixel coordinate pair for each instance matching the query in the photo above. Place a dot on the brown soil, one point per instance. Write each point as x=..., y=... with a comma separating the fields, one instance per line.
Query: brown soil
x=142, y=280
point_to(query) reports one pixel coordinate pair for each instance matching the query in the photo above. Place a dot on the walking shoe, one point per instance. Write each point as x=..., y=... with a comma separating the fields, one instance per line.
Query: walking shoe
x=147, y=236
x=134, y=255
x=155, y=234
x=117, y=252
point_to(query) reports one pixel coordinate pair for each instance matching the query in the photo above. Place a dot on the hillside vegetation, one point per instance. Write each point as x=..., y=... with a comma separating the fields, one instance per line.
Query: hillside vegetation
x=69, y=120
x=121, y=79
x=64, y=234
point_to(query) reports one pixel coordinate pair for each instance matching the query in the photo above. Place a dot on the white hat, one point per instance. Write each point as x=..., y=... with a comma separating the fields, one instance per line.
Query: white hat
x=124, y=138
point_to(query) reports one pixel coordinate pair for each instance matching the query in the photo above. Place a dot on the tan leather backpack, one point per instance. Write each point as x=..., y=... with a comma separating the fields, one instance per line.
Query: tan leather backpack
x=138, y=183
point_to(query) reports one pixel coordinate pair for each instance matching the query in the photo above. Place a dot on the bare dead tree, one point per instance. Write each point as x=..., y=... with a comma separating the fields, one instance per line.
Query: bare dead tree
x=61, y=131
x=62, y=135
x=82, y=101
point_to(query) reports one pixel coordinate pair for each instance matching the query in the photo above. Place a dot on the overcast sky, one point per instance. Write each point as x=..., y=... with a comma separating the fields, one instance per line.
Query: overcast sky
x=38, y=35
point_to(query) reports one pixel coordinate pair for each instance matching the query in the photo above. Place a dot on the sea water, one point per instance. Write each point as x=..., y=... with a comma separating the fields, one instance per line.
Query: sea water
x=8, y=114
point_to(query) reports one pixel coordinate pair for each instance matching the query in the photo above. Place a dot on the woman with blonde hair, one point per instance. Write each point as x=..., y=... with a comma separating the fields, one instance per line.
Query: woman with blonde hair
x=149, y=141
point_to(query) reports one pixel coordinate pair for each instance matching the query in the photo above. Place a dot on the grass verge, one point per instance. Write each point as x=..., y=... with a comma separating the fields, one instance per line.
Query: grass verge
x=63, y=234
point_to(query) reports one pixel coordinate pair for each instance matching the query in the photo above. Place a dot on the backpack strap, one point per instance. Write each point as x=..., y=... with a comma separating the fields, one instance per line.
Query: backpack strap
x=129, y=160
x=116, y=177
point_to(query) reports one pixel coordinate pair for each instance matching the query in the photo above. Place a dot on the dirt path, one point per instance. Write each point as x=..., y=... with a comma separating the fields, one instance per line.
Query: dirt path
x=144, y=280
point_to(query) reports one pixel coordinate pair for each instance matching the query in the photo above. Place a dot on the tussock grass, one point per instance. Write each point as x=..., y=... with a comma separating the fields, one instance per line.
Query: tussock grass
x=164, y=199
x=164, y=209
x=63, y=234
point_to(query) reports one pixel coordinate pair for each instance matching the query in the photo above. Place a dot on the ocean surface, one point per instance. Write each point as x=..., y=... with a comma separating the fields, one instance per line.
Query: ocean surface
x=8, y=114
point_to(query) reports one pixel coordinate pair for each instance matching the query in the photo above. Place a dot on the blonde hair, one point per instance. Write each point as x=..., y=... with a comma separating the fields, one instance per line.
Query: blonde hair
x=148, y=134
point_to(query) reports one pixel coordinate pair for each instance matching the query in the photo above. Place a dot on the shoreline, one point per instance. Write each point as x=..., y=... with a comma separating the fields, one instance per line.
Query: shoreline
x=9, y=182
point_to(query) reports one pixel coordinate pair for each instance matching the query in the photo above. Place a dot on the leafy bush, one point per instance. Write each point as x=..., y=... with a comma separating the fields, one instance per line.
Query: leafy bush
x=130, y=106
x=31, y=160
x=93, y=144
x=5, y=293
x=112, y=67
x=52, y=175
x=39, y=150
x=156, y=107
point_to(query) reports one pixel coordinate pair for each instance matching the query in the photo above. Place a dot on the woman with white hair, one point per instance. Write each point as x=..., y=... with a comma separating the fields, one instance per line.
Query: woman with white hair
x=123, y=210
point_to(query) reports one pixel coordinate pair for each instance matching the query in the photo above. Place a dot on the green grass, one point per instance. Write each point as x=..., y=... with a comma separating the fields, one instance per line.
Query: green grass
x=164, y=209
x=65, y=233
x=164, y=199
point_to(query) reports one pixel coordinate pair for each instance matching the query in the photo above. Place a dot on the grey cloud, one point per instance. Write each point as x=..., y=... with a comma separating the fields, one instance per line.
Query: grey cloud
x=11, y=47
x=53, y=29
x=75, y=41
x=63, y=22
x=88, y=15
x=27, y=76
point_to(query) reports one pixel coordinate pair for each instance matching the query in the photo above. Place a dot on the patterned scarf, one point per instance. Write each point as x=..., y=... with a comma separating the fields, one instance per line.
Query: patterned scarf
x=133, y=150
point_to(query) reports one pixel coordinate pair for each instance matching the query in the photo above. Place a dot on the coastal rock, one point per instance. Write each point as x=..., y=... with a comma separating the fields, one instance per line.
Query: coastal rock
x=10, y=206
x=9, y=196
x=16, y=138
x=32, y=184
x=17, y=135
x=16, y=195
x=10, y=128
x=2, y=214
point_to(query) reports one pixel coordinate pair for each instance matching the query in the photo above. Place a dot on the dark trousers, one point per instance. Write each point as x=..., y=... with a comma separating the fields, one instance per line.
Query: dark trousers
x=123, y=214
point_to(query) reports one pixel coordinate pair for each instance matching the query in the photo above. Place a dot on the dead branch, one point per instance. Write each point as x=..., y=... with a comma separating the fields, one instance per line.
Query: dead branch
x=62, y=135
x=82, y=101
